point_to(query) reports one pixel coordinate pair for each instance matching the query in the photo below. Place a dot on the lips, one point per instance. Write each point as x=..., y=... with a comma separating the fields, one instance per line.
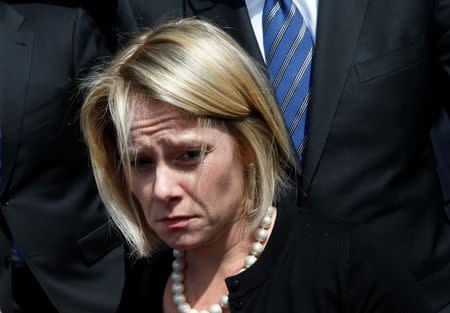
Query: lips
x=176, y=222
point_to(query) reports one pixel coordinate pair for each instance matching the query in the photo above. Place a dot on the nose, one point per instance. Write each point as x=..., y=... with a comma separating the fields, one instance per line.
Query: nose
x=167, y=186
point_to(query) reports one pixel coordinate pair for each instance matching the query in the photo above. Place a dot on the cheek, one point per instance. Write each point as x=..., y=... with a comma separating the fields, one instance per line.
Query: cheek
x=142, y=190
x=222, y=183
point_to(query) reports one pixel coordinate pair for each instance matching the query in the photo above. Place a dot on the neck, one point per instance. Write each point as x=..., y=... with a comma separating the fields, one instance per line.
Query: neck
x=222, y=256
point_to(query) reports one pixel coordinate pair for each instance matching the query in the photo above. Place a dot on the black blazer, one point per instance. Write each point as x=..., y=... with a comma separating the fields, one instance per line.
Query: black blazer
x=308, y=266
x=440, y=136
x=49, y=202
x=380, y=73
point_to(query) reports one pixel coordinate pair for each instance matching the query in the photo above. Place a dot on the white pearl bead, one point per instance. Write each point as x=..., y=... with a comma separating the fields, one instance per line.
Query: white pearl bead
x=203, y=311
x=215, y=308
x=177, y=277
x=224, y=302
x=270, y=210
x=261, y=235
x=242, y=270
x=179, y=299
x=178, y=265
x=256, y=248
x=184, y=308
x=266, y=222
x=177, y=288
x=249, y=260
x=177, y=253
x=193, y=311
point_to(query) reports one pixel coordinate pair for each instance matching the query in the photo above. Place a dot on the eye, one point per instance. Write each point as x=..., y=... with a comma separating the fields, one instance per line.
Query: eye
x=142, y=163
x=191, y=155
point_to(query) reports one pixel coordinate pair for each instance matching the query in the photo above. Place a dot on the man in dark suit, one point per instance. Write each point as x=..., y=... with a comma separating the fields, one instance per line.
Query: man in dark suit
x=380, y=73
x=57, y=248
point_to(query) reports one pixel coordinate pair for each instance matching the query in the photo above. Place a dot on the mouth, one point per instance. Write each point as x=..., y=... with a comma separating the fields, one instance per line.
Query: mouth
x=176, y=222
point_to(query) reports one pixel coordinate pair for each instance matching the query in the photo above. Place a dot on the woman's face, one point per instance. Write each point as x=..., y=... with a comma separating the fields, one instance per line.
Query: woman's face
x=189, y=199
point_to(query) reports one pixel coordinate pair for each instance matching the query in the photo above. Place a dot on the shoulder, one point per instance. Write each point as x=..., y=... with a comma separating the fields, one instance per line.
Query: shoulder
x=61, y=22
x=320, y=232
x=156, y=268
x=345, y=246
x=145, y=281
x=47, y=13
x=54, y=27
x=69, y=33
x=316, y=246
x=148, y=13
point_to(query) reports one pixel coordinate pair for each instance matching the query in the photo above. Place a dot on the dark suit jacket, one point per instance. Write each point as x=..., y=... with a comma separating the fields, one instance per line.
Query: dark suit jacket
x=440, y=136
x=380, y=73
x=49, y=202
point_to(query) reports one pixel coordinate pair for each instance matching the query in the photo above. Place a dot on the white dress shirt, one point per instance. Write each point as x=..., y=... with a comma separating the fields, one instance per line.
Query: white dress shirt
x=308, y=9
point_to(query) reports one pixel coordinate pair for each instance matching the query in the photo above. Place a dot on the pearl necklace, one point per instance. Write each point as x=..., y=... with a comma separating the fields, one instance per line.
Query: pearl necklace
x=256, y=248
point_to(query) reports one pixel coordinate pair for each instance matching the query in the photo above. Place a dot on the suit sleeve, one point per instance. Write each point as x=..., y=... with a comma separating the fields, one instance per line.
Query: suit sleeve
x=379, y=285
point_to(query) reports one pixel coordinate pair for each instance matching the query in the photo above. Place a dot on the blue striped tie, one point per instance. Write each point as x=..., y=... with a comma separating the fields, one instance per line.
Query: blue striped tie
x=288, y=47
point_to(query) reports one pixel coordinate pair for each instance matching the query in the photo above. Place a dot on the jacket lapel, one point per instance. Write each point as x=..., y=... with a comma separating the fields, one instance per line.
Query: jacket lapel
x=338, y=28
x=15, y=59
x=232, y=16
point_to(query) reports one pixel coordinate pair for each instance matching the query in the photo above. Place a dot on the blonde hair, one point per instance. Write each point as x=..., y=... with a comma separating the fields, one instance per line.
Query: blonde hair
x=195, y=66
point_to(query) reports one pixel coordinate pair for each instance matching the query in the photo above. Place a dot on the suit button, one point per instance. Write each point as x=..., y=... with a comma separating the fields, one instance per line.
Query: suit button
x=7, y=261
x=234, y=286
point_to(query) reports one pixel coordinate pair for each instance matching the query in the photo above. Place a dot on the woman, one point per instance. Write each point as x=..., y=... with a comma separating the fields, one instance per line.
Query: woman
x=189, y=150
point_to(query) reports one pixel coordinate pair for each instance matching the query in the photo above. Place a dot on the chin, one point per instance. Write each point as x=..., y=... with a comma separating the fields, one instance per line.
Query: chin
x=182, y=239
x=183, y=244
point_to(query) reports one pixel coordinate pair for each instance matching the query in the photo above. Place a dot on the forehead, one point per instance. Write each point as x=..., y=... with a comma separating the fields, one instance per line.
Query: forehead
x=155, y=112
x=160, y=122
x=152, y=117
